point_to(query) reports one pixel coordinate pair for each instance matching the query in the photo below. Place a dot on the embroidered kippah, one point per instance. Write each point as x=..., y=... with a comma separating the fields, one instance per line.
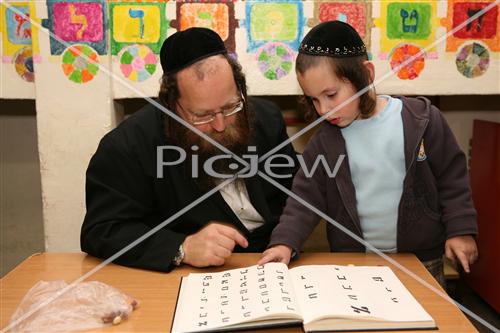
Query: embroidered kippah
x=186, y=47
x=334, y=39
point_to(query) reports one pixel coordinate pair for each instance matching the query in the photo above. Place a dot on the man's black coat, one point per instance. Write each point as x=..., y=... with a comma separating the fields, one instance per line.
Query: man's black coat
x=125, y=199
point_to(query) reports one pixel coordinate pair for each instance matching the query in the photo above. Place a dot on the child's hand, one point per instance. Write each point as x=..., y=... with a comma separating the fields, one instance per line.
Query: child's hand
x=278, y=253
x=464, y=248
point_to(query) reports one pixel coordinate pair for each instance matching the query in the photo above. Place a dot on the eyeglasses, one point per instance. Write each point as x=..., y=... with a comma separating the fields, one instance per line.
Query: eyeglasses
x=202, y=119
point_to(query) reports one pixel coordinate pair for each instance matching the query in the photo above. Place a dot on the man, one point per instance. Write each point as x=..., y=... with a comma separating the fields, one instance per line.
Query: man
x=137, y=178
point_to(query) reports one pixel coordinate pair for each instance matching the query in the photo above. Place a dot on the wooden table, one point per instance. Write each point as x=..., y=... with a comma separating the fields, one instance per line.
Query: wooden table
x=157, y=292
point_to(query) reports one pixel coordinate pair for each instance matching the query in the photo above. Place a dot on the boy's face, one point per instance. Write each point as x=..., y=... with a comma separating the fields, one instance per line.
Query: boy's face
x=327, y=92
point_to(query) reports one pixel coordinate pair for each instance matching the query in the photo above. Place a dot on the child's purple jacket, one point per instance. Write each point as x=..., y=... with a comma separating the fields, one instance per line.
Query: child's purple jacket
x=435, y=204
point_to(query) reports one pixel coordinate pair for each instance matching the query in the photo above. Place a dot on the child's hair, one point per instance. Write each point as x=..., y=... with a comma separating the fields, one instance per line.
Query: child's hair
x=339, y=46
x=351, y=69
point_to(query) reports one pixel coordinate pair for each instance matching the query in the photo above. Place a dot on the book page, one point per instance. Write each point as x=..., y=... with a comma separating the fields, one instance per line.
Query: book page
x=357, y=292
x=212, y=300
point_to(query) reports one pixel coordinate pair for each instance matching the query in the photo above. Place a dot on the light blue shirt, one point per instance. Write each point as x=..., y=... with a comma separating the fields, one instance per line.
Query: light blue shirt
x=375, y=147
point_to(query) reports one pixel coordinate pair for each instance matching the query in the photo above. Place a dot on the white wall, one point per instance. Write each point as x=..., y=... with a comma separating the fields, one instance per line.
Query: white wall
x=460, y=112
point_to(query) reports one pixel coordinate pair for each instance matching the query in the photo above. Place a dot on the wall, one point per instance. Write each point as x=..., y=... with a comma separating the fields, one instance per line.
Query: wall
x=21, y=224
x=460, y=112
x=21, y=227
x=76, y=74
x=451, y=56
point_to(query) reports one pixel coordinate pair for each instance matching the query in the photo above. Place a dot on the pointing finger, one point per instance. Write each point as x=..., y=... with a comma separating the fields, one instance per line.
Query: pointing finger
x=266, y=257
x=464, y=261
x=234, y=235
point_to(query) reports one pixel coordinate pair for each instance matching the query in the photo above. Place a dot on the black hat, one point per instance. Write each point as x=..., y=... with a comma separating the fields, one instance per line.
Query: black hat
x=334, y=39
x=186, y=47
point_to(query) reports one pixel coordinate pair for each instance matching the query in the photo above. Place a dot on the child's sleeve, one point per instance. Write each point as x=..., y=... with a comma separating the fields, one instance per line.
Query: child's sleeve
x=449, y=166
x=298, y=221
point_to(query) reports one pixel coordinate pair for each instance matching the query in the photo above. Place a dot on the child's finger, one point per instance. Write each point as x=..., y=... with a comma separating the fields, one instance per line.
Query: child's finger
x=283, y=260
x=449, y=254
x=464, y=261
x=267, y=257
x=473, y=257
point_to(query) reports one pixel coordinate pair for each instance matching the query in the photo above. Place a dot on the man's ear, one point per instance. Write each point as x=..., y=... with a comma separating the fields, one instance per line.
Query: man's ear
x=371, y=69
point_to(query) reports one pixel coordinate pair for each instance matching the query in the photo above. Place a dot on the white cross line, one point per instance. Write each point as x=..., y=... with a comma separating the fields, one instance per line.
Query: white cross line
x=377, y=251
x=379, y=80
x=131, y=88
x=118, y=254
x=194, y=203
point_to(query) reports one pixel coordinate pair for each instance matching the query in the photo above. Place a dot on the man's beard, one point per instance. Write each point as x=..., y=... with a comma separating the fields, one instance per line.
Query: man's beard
x=236, y=138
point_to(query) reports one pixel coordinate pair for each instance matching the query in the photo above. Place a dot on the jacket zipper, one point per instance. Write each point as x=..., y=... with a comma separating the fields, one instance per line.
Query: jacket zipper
x=406, y=175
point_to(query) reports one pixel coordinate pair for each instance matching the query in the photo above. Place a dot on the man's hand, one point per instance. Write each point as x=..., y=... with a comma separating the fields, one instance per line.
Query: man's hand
x=278, y=253
x=212, y=245
x=462, y=248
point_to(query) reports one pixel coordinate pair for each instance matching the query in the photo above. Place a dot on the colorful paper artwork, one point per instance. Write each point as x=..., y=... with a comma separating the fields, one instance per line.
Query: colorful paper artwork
x=352, y=13
x=275, y=60
x=411, y=54
x=357, y=14
x=484, y=27
x=18, y=25
x=216, y=15
x=133, y=23
x=138, y=62
x=472, y=60
x=77, y=22
x=277, y=21
x=407, y=20
x=268, y=32
x=401, y=22
x=23, y=62
x=80, y=63
x=16, y=29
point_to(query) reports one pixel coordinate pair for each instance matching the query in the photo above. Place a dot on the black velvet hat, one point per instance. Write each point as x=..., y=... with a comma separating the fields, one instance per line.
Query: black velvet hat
x=334, y=39
x=186, y=47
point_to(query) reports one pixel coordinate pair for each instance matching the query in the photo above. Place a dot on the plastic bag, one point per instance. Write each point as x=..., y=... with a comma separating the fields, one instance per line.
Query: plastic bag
x=85, y=306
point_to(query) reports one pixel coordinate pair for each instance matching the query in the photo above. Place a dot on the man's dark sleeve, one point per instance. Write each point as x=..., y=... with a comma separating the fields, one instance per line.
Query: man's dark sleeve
x=119, y=199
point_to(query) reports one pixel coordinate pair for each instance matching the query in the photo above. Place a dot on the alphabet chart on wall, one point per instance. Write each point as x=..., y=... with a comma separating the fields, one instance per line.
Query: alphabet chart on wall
x=413, y=44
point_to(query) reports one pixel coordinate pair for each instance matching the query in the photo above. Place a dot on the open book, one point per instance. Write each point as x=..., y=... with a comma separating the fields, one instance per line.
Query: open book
x=321, y=297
